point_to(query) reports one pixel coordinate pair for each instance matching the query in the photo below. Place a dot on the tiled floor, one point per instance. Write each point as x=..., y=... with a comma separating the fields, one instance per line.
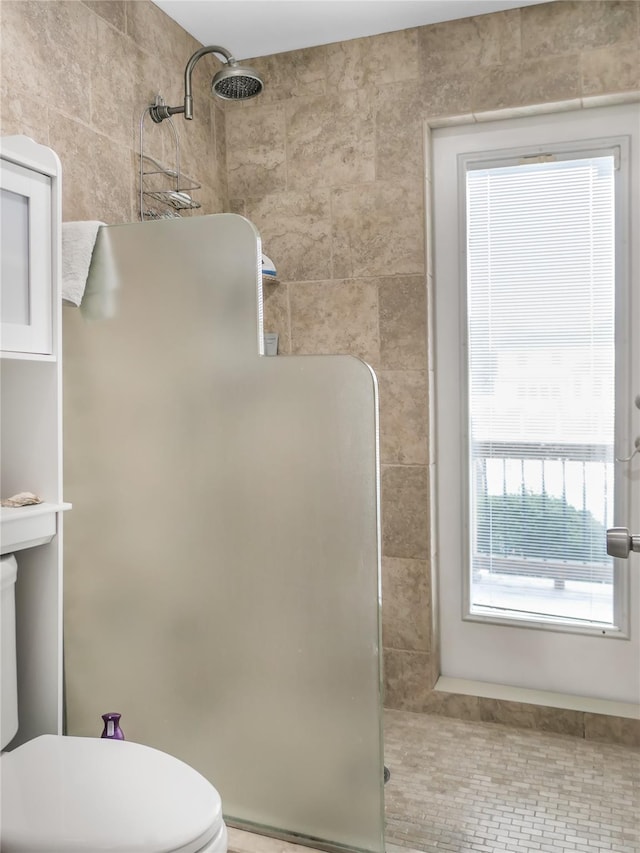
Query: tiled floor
x=462, y=787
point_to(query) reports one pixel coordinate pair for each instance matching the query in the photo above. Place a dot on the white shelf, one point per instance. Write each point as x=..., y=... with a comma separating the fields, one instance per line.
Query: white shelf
x=28, y=526
x=27, y=356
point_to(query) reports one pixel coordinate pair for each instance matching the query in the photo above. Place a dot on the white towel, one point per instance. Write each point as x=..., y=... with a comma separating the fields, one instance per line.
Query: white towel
x=78, y=241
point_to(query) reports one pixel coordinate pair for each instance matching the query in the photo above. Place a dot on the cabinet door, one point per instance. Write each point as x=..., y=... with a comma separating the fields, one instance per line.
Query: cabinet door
x=25, y=257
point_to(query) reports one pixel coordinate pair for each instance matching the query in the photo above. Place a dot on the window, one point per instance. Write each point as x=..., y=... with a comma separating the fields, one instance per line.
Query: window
x=540, y=308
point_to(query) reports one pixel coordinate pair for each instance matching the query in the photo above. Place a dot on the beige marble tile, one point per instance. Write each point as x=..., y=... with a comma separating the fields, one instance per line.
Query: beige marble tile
x=47, y=51
x=520, y=715
x=598, y=727
x=115, y=76
x=608, y=22
x=406, y=679
x=294, y=74
x=335, y=318
x=400, y=114
x=554, y=28
x=156, y=34
x=405, y=511
x=256, y=160
x=527, y=716
x=87, y=193
x=330, y=140
x=461, y=786
x=548, y=79
x=296, y=232
x=276, y=314
x=218, y=122
x=198, y=159
x=406, y=605
x=112, y=11
x=20, y=115
x=403, y=417
x=403, y=322
x=210, y=197
x=611, y=69
x=237, y=205
x=468, y=43
x=452, y=705
x=373, y=61
x=378, y=228
x=449, y=94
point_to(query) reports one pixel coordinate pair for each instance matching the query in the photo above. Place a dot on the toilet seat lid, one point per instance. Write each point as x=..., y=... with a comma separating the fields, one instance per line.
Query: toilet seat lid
x=71, y=794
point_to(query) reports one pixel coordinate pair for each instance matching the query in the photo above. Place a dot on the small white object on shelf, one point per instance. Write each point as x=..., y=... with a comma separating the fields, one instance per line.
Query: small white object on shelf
x=21, y=499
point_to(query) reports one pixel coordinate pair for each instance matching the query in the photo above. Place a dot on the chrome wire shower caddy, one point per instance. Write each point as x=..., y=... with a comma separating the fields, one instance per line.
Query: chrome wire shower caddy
x=164, y=190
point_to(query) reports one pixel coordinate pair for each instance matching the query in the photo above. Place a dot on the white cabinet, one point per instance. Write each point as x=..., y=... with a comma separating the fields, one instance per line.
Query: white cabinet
x=31, y=420
x=25, y=259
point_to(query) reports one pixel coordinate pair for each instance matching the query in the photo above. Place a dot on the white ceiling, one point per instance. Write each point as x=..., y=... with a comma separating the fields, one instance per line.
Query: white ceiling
x=251, y=28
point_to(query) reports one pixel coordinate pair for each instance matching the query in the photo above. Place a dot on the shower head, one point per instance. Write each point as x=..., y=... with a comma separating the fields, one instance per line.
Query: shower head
x=236, y=82
x=233, y=83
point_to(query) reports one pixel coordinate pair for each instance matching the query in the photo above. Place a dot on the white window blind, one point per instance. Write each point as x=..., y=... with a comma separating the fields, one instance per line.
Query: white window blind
x=540, y=335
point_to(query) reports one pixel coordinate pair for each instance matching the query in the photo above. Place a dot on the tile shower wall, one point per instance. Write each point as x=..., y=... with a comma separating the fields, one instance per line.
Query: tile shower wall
x=329, y=164
x=77, y=75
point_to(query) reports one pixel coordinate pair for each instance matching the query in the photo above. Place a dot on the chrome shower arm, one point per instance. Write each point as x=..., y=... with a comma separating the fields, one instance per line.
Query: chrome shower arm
x=188, y=97
x=159, y=112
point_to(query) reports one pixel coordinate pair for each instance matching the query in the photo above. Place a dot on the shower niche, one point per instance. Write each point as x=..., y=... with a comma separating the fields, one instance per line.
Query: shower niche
x=165, y=191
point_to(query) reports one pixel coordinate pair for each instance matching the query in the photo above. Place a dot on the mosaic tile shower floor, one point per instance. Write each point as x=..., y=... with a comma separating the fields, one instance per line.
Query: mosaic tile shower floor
x=465, y=787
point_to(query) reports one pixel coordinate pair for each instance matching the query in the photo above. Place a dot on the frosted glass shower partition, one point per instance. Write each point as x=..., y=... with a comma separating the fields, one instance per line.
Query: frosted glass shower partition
x=222, y=564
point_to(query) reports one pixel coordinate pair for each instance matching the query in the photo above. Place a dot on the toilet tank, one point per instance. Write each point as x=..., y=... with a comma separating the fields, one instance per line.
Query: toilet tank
x=8, y=678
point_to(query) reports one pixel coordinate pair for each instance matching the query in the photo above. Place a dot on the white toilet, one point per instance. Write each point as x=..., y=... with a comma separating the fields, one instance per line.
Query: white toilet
x=91, y=795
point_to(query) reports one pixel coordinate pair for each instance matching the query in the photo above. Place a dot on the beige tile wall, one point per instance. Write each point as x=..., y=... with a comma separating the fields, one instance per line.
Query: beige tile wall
x=77, y=75
x=525, y=715
x=329, y=165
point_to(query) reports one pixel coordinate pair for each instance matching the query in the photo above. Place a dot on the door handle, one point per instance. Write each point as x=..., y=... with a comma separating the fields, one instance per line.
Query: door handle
x=636, y=449
x=620, y=542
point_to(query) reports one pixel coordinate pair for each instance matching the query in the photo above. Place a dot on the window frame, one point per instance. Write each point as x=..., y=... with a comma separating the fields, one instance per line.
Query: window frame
x=620, y=148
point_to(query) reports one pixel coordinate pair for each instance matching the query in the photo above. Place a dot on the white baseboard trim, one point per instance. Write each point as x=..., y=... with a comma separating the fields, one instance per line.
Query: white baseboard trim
x=545, y=698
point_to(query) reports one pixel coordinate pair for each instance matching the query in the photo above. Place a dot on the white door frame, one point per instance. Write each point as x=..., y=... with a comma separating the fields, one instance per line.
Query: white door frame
x=561, y=662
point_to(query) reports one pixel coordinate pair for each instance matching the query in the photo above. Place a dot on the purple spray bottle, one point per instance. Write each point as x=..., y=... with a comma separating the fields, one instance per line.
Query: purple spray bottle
x=112, y=728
